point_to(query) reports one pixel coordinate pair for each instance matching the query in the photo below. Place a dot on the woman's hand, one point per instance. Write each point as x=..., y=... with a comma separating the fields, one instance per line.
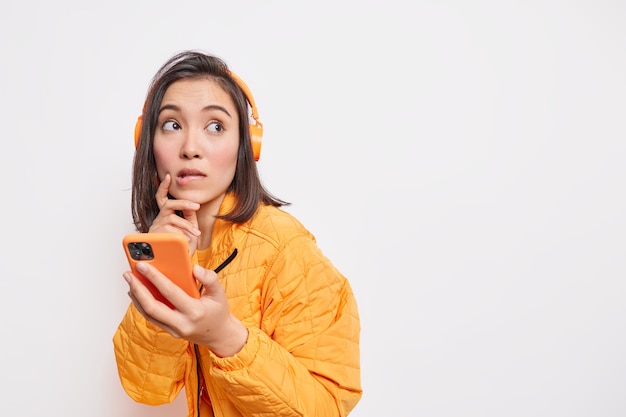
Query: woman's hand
x=168, y=221
x=205, y=321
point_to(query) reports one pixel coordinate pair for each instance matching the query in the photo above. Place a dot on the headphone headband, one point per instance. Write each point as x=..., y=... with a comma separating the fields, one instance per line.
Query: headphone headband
x=256, y=129
x=246, y=92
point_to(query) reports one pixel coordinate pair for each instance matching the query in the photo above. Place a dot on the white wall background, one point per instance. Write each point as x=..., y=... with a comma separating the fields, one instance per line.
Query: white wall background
x=462, y=162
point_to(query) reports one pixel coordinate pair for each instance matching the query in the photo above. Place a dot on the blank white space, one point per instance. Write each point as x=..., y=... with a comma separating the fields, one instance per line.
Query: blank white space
x=461, y=162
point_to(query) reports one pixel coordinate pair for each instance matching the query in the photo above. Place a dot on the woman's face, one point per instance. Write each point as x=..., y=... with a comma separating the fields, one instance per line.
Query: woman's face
x=196, y=140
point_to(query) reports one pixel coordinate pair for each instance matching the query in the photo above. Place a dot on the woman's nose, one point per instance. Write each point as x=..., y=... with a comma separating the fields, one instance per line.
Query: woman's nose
x=190, y=148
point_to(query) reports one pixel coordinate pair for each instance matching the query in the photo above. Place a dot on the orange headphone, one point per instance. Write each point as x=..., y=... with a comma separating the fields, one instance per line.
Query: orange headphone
x=256, y=129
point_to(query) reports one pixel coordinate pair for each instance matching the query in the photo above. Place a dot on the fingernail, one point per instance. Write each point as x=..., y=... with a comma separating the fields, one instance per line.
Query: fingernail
x=141, y=267
x=197, y=232
x=126, y=277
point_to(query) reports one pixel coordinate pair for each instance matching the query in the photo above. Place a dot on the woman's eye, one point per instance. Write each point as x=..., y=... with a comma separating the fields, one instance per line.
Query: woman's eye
x=171, y=125
x=215, y=127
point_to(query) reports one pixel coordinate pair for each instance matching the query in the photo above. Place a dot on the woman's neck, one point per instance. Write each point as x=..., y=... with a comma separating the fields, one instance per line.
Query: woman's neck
x=206, y=215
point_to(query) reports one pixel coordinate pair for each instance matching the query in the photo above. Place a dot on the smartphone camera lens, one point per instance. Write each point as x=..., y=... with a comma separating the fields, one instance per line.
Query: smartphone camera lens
x=140, y=251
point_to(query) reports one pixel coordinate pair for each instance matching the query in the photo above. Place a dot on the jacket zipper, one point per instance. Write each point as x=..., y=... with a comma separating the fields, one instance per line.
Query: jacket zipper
x=195, y=346
x=198, y=370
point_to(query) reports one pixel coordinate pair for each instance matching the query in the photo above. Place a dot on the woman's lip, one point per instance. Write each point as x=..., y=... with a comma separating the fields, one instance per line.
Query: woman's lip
x=186, y=176
x=186, y=179
x=186, y=172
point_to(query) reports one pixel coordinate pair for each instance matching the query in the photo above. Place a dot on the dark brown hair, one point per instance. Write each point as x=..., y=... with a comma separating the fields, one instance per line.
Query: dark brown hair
x=246, y=184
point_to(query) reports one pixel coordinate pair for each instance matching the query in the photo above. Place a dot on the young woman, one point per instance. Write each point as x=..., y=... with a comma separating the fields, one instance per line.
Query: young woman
x=276, y=329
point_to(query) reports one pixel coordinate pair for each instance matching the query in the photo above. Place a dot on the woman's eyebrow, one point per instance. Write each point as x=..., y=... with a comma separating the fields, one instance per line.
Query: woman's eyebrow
x=174, y=107
x=169, y=107
x=217, y=107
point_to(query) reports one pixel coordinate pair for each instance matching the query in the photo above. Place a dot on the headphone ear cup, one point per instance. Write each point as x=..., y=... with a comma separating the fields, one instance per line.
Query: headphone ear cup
x=138, y=131
x=256, y=136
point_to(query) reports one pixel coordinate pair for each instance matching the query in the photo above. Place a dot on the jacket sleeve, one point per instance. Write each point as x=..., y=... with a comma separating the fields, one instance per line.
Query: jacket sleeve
x=151, y=363
x=304, y=361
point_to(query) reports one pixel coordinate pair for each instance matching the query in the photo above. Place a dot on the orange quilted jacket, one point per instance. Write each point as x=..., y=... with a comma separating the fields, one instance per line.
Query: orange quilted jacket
x=302, y=354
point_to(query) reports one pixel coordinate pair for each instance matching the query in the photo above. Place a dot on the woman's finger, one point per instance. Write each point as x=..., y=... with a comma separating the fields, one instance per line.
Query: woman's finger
x=151, y=319
x=163, y=190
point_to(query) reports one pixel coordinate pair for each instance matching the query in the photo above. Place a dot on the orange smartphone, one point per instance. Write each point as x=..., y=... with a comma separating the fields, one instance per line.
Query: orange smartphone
x=169, y=253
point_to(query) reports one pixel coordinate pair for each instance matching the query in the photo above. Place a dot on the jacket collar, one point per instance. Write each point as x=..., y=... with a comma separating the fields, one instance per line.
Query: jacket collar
x=221, y=237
